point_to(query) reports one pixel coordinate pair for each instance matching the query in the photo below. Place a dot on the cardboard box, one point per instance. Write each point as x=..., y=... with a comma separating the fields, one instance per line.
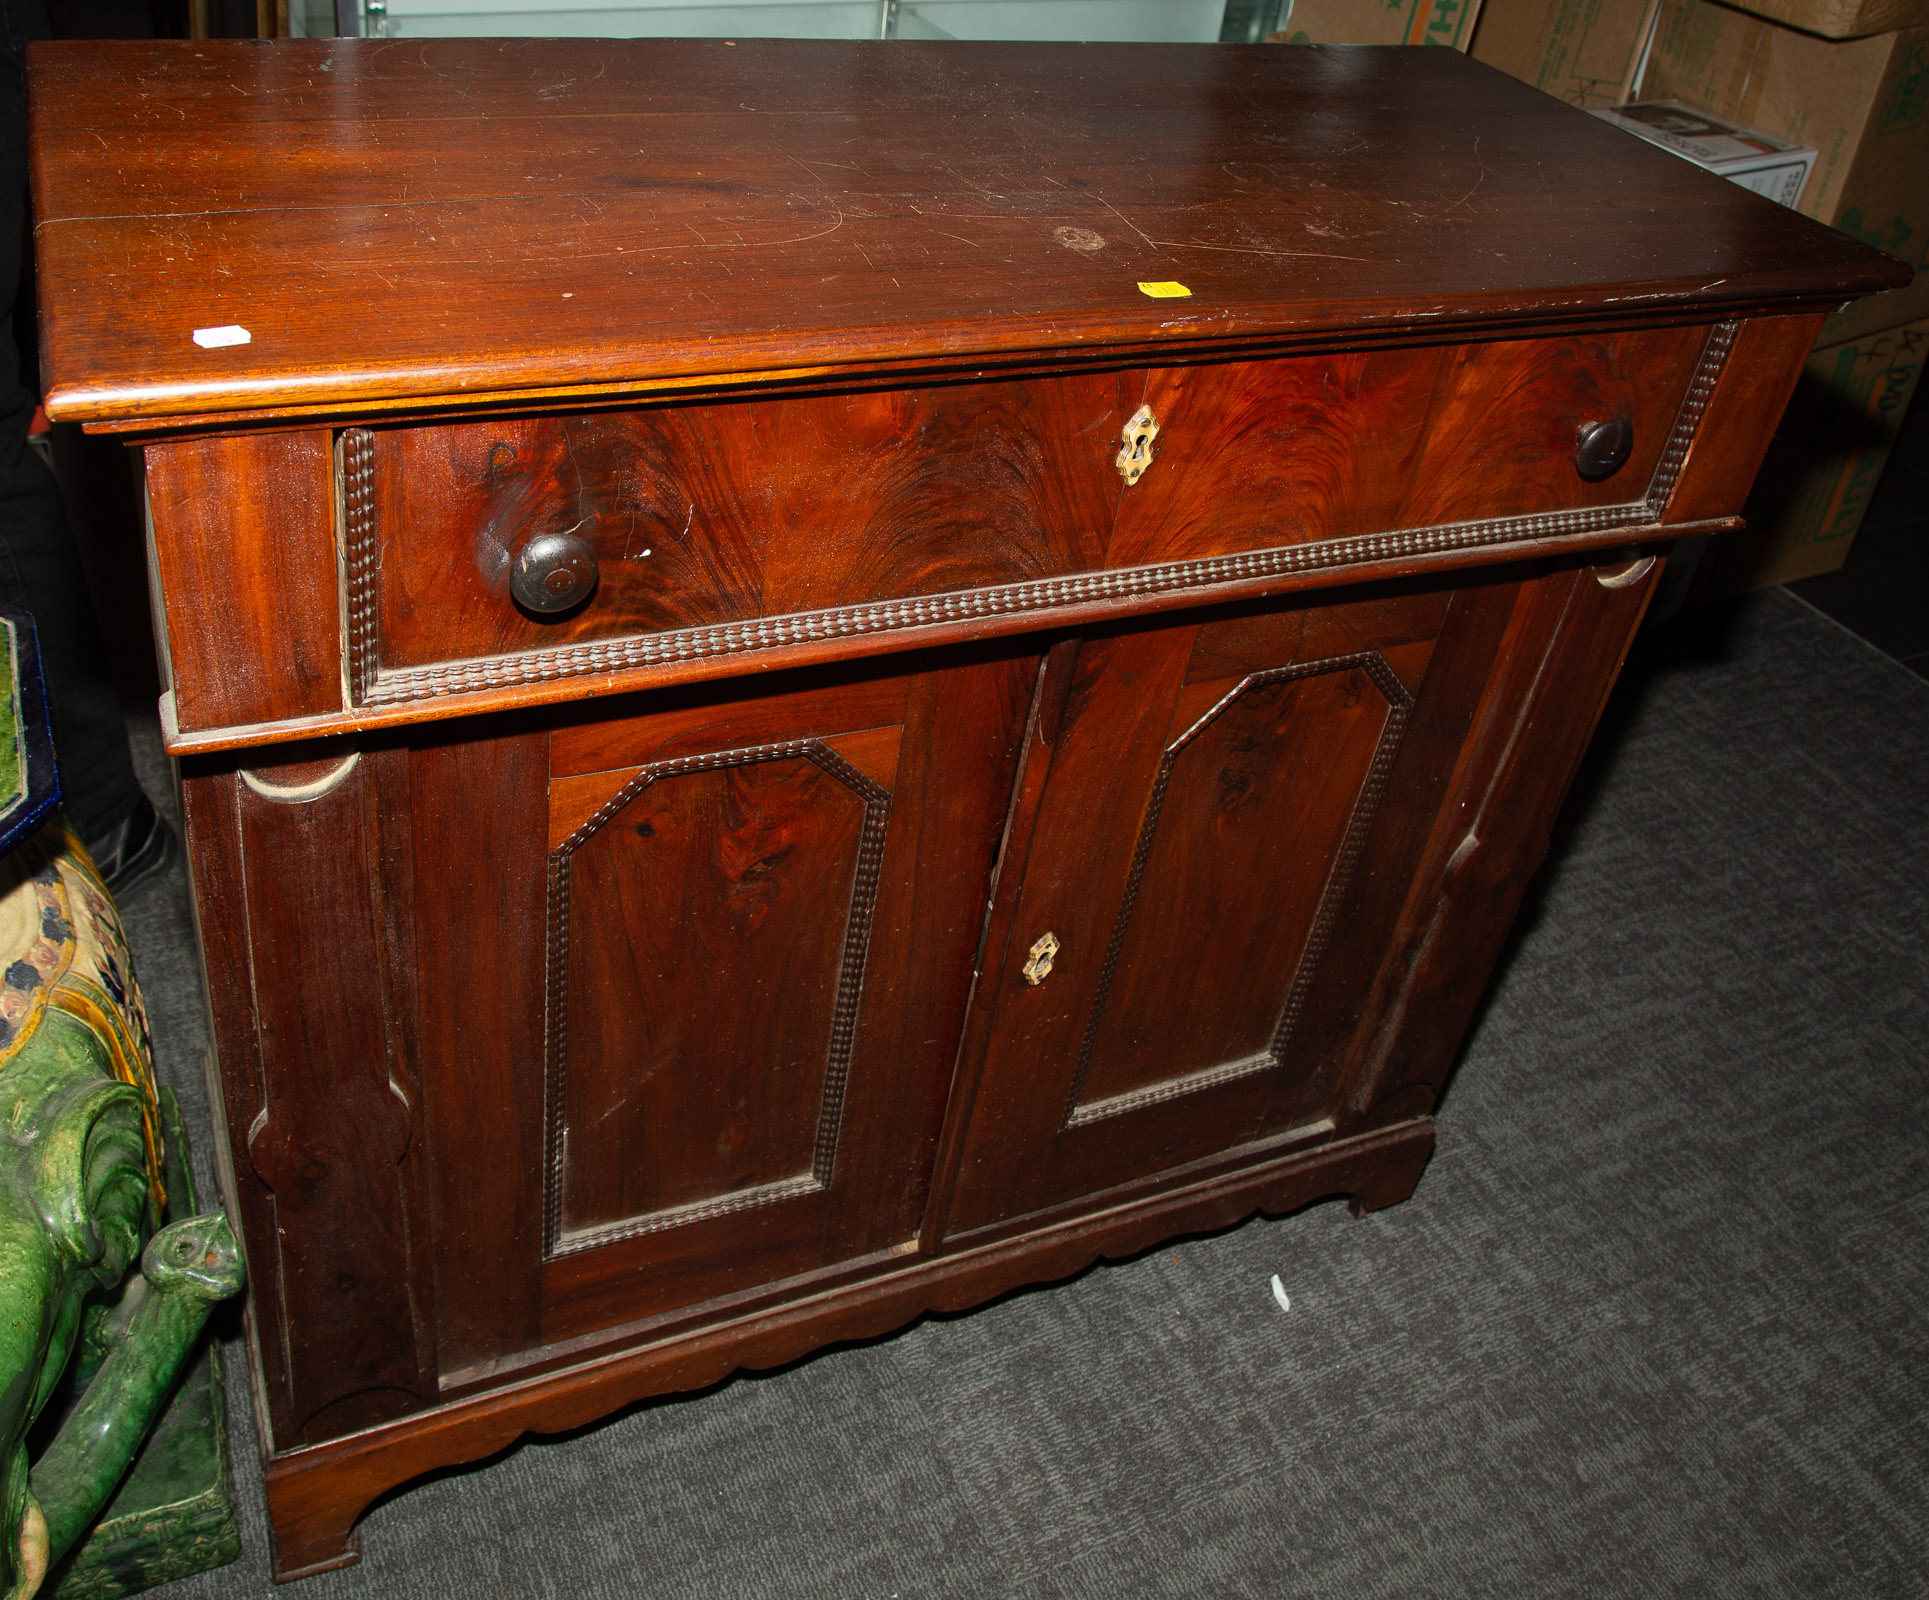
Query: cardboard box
x=1448, y=22
x=1823, y=465
x=1747, y=156
x=1861, y=104
x=1586, y=52
x=1842, y=19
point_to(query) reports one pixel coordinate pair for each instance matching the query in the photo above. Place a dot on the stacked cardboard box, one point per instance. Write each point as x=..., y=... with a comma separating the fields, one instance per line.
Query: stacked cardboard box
x=1586, y=52
x=1863, y=104
x=1849, y=79
x=1776, y=168
x=1842, y=19
x=1448, y=22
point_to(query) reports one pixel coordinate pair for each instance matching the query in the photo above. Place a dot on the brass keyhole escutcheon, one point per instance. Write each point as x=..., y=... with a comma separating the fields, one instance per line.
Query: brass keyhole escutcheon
x=1038, y=964
x=1138, y=434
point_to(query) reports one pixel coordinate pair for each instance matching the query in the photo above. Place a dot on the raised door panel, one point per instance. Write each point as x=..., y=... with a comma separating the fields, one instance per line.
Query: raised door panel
x=1241, y=848
x=711, y=928
x=1197, y=840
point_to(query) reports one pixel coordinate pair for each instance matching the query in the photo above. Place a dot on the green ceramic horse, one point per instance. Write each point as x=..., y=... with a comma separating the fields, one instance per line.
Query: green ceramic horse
x=81, y=1197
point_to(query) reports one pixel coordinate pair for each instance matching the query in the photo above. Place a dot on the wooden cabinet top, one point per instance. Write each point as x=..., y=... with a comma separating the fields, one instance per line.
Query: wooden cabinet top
x=417, y=223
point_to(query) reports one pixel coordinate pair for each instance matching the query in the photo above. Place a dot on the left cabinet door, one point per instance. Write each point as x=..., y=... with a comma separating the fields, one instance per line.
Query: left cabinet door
x=761, y=913
x=679, y=979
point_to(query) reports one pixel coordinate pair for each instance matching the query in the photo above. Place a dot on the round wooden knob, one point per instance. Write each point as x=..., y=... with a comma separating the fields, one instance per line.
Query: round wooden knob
x=553, y=572
x=1603, y=449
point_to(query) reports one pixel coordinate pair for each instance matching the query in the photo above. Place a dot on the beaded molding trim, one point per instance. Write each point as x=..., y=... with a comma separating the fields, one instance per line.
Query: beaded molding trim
x=1399, y=703
x=850, y=987
x=377, y=686
x=361, y=557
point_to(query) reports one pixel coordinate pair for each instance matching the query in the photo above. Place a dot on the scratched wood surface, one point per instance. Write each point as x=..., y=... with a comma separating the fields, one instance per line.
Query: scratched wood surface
x=574, y=1040
x=708, y=921
x=474, y=217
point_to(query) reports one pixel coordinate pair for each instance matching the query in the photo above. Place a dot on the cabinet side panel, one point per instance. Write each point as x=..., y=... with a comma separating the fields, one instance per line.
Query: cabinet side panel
x=1756, y=382
x=211, y=833
x=1536, y=730
x=244, y=539
x=481, y=819
x=336, y=1122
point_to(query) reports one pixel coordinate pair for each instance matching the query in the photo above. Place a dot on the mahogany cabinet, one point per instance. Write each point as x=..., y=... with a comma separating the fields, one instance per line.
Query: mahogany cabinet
x=811, y=683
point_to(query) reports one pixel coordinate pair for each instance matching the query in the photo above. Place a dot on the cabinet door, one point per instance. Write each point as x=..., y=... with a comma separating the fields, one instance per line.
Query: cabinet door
x=743, y=943
x=1229, y=823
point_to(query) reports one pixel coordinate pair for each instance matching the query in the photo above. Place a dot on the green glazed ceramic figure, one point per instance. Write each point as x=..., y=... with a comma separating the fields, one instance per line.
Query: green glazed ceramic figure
x=81, y=1165
x=80, y=1203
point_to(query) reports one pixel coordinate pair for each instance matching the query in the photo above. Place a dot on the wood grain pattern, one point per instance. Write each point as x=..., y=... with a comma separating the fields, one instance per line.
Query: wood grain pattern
x=818, y=703
x=1742, y=412
x=1170, y=1029
x=573, y=211
x=680, y=1104
x=714, y=923
x=1420, y=812
x=849, y=502
x=1265, y=786
x=1252, y=455
x=1068, y=876
x=211, y=840
x=477, y=795
x=1573, y=633
x=243, y=537
x=639, y=994
x=1302, y=569
x=1561, y=386
x=346, y=1290
x=715, y=513
x=940, y=530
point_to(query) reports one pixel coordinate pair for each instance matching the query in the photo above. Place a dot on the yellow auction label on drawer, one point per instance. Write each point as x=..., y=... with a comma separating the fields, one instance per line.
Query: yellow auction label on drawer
x=1166, y=291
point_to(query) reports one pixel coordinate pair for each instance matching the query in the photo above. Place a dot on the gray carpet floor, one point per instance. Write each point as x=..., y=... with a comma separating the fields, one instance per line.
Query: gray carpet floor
x=1655, y=1323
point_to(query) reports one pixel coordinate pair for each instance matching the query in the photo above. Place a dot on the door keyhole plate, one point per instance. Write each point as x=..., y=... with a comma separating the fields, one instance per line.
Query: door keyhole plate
x=1138, y=434
x=1038, y=964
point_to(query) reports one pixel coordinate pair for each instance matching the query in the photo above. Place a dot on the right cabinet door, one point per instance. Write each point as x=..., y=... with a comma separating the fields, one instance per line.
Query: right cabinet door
x=1234, y=882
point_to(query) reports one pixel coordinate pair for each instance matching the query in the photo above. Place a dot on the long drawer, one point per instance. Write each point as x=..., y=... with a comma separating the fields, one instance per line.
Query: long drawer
x=706, y=522
x=703, y=532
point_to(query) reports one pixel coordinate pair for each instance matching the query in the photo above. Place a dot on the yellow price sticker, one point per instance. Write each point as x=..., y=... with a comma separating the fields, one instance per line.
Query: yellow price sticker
x=1166, y=291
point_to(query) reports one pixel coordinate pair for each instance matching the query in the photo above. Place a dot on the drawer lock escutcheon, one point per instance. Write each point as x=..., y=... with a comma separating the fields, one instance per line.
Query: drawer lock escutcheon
x=1138, y=434
x=1038, y=966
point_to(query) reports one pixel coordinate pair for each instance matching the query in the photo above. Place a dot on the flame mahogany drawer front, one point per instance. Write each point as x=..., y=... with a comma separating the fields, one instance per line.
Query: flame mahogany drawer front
x=875, y=672
x=823, y=509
